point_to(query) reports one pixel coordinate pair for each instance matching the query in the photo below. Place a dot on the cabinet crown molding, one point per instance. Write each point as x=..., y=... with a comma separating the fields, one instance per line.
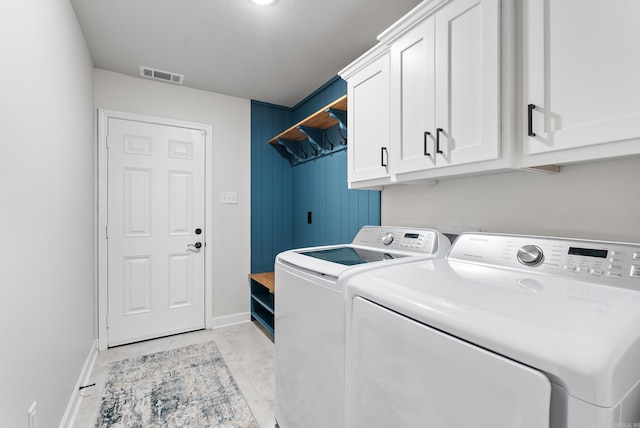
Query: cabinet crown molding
x=371, y=55
x=411, y=19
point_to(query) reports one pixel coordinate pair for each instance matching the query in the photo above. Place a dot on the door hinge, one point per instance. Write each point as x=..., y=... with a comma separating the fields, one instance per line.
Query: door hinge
x=106, y=231
x=204, y=132
x=107, y=321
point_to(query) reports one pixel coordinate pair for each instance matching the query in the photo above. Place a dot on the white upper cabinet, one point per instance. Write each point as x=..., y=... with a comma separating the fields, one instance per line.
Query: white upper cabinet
x=468, y=82
x=445, y=89
x=413, y=123
x=581, y=71
x=426, y=102
x=368, y=119
x=460, y=87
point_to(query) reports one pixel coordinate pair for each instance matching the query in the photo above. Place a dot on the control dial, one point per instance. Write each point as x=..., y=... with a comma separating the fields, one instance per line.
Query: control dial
x=387, y=239
x=530, y=255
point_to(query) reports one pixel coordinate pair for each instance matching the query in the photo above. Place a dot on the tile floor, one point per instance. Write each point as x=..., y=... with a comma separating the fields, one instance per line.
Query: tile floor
x=248, y=352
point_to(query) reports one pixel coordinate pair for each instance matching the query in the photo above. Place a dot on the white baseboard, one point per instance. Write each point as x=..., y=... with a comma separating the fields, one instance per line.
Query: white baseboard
x=74, y=402
x=228, y=320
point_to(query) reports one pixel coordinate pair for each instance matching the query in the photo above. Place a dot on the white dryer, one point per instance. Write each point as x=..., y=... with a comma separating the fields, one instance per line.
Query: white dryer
x=506, y=332
x=310, y=317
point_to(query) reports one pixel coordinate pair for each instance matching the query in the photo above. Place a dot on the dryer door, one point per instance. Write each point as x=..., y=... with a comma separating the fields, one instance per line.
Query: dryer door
x=404, y=374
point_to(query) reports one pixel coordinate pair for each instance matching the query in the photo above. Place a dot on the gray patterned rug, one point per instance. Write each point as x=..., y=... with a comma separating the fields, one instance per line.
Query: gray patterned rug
x=184, y=387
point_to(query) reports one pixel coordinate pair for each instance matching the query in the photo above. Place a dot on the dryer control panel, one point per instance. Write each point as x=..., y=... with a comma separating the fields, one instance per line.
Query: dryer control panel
x=602, y=262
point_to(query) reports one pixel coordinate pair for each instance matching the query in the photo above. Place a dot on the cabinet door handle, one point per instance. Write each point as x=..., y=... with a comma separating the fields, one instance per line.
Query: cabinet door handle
x=426, y=134
x=383, y=150
x=531, y=108
x=438, y=132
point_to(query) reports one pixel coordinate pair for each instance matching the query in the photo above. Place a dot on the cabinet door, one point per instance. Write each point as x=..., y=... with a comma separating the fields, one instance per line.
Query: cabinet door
x=413, y=99
x=468, y=81
x=368, y=118
x=581, y=71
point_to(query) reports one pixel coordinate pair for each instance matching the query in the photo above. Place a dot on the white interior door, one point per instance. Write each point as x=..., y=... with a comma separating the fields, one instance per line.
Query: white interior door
x=156, y=215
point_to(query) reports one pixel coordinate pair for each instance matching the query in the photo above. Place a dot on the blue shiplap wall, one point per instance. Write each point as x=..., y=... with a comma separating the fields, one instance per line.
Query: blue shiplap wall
x=271, y=187
x=281, y=194
x=328, y=93
x=320, y=186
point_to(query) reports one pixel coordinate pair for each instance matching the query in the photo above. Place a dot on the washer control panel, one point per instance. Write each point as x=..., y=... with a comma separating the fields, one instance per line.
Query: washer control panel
x=595, y=261
x=422, y=241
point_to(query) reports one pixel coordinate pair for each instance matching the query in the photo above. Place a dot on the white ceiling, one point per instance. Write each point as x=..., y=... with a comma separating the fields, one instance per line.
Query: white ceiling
x=277, y=54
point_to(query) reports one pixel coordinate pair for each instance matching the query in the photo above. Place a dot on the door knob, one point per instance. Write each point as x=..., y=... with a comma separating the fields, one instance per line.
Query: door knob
x=197, y=245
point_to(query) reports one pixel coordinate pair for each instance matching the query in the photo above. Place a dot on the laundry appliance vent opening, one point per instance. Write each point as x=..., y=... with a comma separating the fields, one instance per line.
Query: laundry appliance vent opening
x=165, y=76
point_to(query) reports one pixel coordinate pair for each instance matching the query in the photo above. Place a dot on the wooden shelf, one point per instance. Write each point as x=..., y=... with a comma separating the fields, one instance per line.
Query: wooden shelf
x=263, y=299
x=312, y=137
x=266, y=279
x=322, y=119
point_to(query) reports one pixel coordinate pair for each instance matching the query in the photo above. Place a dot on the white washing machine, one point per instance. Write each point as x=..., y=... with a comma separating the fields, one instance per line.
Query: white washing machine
x=310, y=317
x=506, y=332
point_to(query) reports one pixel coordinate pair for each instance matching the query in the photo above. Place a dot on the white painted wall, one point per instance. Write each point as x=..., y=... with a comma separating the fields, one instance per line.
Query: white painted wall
x=592, y=201
x=231, y=120
x=46, y=208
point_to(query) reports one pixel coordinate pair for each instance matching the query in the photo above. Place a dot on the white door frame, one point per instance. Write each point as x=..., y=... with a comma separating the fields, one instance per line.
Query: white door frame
x=103, y=117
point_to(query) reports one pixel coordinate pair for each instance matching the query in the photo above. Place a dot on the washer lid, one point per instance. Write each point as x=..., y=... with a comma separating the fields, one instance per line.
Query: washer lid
x=583, y=335
x=351, y=256
x=335, y=260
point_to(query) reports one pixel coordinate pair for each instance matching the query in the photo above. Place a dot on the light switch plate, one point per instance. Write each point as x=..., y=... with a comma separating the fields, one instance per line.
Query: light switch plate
x=229, y=197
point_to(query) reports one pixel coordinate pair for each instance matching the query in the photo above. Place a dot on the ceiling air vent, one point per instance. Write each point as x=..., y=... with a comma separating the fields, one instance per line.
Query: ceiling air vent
x=165, y=76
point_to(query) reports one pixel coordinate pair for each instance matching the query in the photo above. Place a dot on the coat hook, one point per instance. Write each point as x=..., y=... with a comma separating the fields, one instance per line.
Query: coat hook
x=304, y=154
x=344, y=138
x=330, y=143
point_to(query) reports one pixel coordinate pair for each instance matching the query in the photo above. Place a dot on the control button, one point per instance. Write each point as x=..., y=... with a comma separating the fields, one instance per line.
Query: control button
x=388, y=239
x=636, y=256
x=614, y=274
x=571, y=268
x=596, y=272
x=615, y=267
x=530, y=255
x=635, y=271
x=617, y=253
